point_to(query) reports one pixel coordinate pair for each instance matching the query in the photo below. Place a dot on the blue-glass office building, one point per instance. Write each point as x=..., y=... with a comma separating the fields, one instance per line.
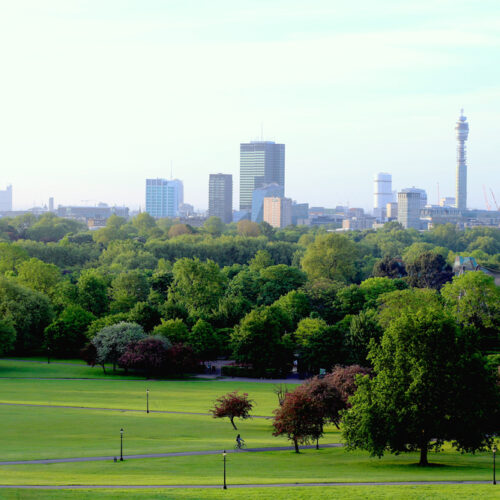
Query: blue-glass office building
x=163, y=197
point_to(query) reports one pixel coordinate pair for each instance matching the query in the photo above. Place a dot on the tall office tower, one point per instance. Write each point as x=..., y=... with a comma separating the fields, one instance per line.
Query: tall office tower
x=261, y=163
x=462, y=130
x=6, y=199
x=51, y=204
x=278, y=211
x=382, y=193
x=162, y=197
x=258, y=196
x=409, y=205
x=220, y=197
x=179, y=186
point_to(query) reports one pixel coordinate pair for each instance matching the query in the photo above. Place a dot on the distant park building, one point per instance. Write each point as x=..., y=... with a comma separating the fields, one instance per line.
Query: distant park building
x=409, y=205
x=220, y=197
x=261, y=163
x=268, y=191
x=6, y=199
x=278, y=211
x=163, y=197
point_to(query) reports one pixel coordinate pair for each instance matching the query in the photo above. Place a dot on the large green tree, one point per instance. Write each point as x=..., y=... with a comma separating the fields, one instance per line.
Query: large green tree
x=38, y=275
x=429, y=386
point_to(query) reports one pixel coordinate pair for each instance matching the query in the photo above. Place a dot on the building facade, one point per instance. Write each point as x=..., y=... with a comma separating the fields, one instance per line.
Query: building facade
x=261, y=163
x=220, y=197
x=6, y=199
x=409, y=204
x=258, y=195
x=163, y=197
x=462, y=131
x=278, y=211
x=382, y=193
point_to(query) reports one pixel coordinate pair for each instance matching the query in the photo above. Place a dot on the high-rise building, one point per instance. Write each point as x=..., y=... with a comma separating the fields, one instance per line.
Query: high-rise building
x=391, y=210
x=220, y=197
x=258, y=196
x=462, y=130
x=382, y=193
x=6, y=199
x=261, y=163
x=409, y=206
x=447, y=201
x=300, y=214
x=162, y=197
x=278, y=211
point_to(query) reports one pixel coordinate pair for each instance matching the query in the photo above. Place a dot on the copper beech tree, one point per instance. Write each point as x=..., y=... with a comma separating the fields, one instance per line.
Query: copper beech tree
x=232, y=405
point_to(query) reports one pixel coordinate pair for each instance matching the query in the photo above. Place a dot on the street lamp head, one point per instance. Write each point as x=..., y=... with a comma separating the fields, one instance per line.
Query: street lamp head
x=121, y=432
x=147, y=390
x=224, y=453
x=494, y=449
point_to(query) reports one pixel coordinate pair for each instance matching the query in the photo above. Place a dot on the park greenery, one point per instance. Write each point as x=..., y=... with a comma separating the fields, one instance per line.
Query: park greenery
x=156, y=298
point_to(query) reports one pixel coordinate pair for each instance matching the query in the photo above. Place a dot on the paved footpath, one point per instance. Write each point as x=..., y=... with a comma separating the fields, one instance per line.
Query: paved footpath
x=162, y=455
x=218, y=486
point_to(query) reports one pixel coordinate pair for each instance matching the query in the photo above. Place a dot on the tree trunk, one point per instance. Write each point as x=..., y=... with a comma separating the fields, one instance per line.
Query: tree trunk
x=232, y=421
x=423, y=455
x=317, y=443
x=103, y=368
x=296, y=444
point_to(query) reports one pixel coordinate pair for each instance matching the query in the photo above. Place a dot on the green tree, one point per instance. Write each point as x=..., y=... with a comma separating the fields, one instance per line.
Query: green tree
x=429, y=270
x=362, y=329
x=93, y=291
x=248, y=228
x=174, y=330
x=260, y=260
x=428, y=387
x=373, y=288
x=127, y=289
x=10, y=257
x=198, y=285
x=30, y=312
x=275, y=281
x=258, y=341
x=146, y=315
x=331, y=256
x=204, y=340
x=111, y=342
x=214, y=226
x=38, y=275
x=474, y=300
x=146, y=225
x=7, y=335
x=67, y=334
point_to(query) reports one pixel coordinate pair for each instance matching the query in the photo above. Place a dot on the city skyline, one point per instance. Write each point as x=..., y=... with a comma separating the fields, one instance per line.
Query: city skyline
x=88, y=113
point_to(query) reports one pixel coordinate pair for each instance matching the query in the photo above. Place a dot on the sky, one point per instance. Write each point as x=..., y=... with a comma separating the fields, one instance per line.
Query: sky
x=96, y=96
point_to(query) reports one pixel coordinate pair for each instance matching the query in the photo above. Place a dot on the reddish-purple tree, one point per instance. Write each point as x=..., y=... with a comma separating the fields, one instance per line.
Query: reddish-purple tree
x=300, y=417
x=332, y=392
x=148, y=355
x=181, y=359
x=232, y=405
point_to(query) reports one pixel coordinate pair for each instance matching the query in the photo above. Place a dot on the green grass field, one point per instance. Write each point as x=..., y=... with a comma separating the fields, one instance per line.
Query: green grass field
x=427, y=492
x=44, y=432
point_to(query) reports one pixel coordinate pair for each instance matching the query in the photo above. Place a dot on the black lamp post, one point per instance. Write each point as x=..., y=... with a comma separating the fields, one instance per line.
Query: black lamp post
x=121, y=445
x=494, y=471
x=224, y=455
x=147, y=400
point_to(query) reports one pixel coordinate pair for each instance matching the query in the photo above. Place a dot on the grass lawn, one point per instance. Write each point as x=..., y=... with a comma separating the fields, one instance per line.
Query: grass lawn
x=34, y=433
x=442, y=492
x=331, y=465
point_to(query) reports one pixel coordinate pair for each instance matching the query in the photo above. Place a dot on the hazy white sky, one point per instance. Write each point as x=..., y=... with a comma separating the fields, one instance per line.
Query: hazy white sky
x=97, y=95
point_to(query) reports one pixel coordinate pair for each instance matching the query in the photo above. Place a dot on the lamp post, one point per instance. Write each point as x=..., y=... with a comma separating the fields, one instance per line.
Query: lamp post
x=147, y=400
x=224, y=455
x=494, y=471
x=121, y=445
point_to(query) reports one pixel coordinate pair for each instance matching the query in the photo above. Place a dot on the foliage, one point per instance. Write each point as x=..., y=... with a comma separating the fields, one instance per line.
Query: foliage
x=232, y=405
x=300, y=418
x=148, y=355
x=429, y=386
x=428, y=270
x=93, y=291
x=67, y=334
x=7, y=335
x=174, y=330
x=111, y=342
x=38, y=275
x=146, y=315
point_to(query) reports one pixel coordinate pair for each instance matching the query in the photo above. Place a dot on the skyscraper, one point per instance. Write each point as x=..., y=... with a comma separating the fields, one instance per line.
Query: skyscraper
x=382, y=193
x=462, y=130
x=162, y=197
x=261, y=163
x=6, y=199
x=220, y=197
x=409, y=205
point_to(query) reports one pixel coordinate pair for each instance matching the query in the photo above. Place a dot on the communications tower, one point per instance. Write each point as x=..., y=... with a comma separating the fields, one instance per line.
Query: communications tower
x=462, y=130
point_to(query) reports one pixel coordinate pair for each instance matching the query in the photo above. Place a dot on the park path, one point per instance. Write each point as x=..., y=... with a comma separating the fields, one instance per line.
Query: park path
x=163, y=455
x=218, y=486
x=123, y=410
